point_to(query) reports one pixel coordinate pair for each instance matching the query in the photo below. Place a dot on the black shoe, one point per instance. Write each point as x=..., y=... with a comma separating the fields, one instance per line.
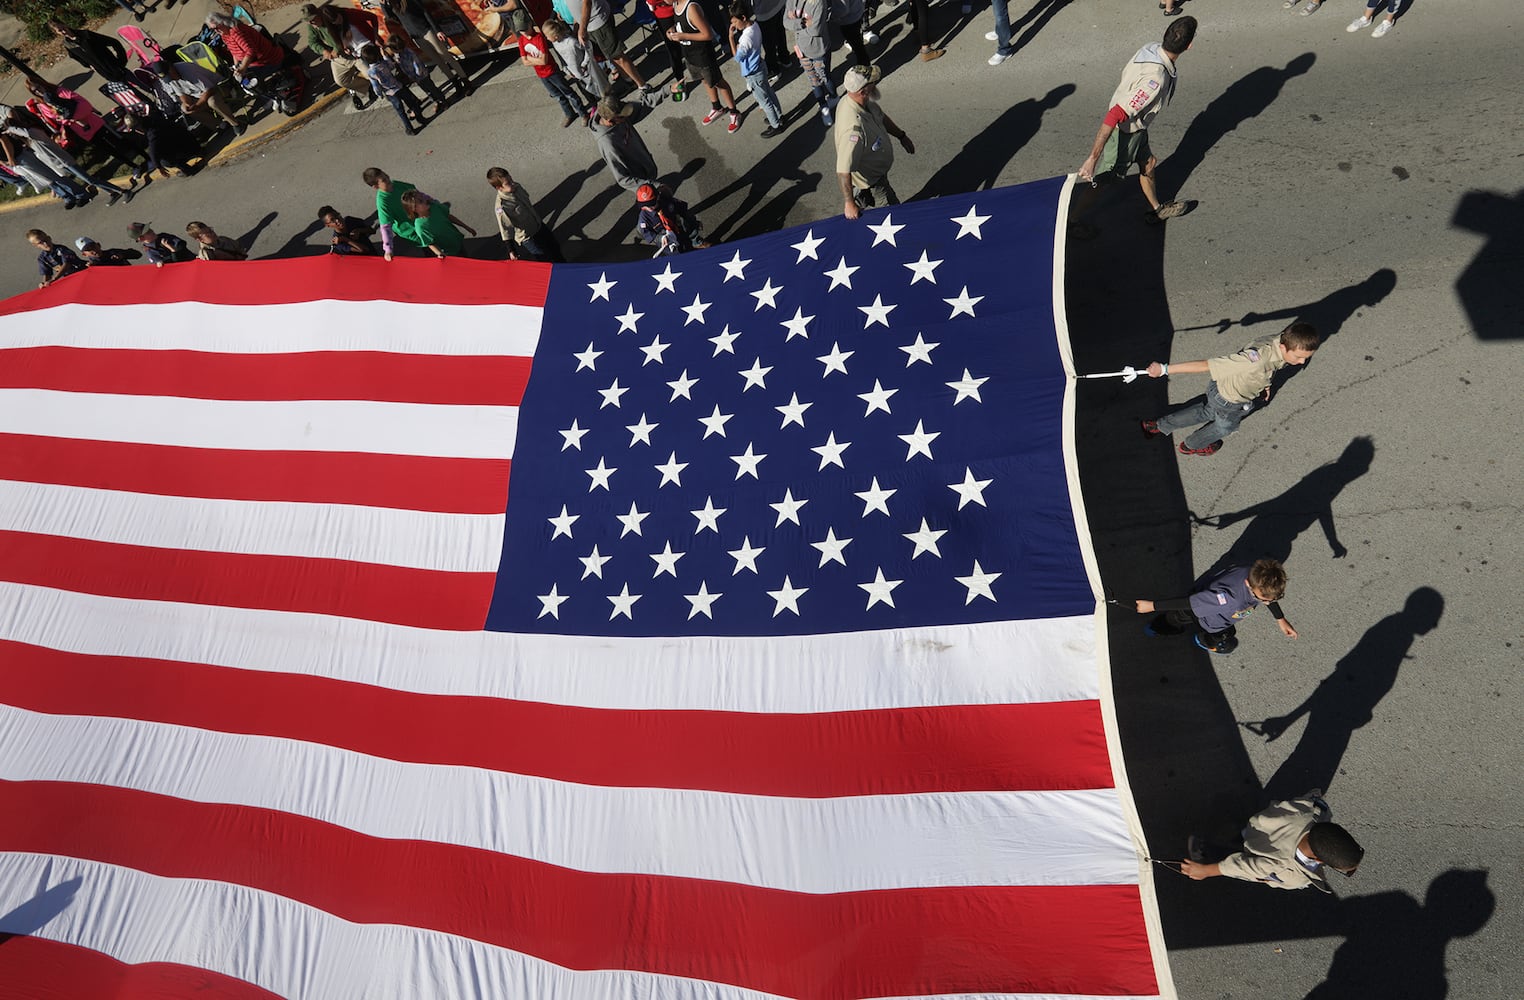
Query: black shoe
x=116, y=196
x=1150, y=428
x=771, y=132
x=240, y=128
x=355, y=100
x=71, y=203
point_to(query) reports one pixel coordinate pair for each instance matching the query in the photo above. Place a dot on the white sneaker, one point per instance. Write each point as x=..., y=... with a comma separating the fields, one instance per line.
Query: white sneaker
x=997, y=59
x=870, y=37
x=990, y=36
x=1312, y=7
x=1382, y=29
x=1290, y=4
x=1358, y=23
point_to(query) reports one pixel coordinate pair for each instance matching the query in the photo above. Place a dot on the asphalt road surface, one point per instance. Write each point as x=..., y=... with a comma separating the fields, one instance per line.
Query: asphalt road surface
x=1374, y=187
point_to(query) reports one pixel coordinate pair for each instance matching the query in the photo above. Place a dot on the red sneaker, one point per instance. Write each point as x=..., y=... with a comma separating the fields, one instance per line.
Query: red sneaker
x=735, y=123
x=1150, y=428
x=1210, y=449
x=713, y=115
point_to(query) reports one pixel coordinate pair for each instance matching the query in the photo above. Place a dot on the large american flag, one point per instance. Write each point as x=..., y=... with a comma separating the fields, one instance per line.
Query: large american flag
x=711, y=627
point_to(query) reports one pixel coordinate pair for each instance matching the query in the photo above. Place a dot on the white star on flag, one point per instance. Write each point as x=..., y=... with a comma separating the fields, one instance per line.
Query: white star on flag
x=682, y=386
x=573, y=436
x=919, y=351
x=798, y=326
x=592, y=563
x=641, y=432
x=767, y=295
x=786, y=598
x=628, y=321
x=602, y=287
x=623, y=602
x=978, y=583
x=696, y=311
x=611, y=394
x=671, y=471
x=923, y=269
x=631, y=521
x=746, y=556
x=588, y=358
x=600, y=476
x=715, y=422
x=667, y=280
x=830, y=452
x=550, y=604
x=724, y=341
x=666, y=561
x=755, y=376
x=963, y=304
x=969, y=224
x=793, y=411
x=925, y=540
x=807, y=247
x=878, y=399
x=884, y=231
x=880, y=590
x=971, y=490
x=562, y=523
x=967, y=387
x=830, y=548
x=735, y=267
x=836, y=361
x=877, y=312
x=708, y=517
x=747, y=462
x=787, y=508
x=874, y=499
x=701, y=601
x=841, y=275
x=653, y=351
x=919, y=441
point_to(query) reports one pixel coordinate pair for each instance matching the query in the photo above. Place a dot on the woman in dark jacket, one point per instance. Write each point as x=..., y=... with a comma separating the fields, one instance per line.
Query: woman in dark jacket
x=97, y=52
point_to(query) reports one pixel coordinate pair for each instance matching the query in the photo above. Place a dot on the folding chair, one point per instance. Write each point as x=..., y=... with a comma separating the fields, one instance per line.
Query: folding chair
x=125, y=95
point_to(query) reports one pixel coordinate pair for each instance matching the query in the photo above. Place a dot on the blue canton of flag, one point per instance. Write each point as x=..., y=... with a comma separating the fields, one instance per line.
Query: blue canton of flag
x=838, y=427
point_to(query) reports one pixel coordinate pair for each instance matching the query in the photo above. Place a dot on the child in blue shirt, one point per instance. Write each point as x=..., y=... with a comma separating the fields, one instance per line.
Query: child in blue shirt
x=53, y=261
x=385, y=77
x=746, y=46
x=1210, y=614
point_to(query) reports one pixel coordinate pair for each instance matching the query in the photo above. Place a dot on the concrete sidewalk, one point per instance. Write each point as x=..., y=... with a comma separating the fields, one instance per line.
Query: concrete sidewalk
x=173, y=26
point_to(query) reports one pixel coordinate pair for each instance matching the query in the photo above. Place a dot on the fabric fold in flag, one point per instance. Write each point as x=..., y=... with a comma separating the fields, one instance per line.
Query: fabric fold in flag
x=774, y=670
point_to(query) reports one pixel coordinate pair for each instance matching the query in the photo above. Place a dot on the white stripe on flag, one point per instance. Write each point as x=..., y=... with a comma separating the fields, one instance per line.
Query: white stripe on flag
x=324, y=325
x=444, y=431
x=465, y=543
x=990, y=663
x=300, y=952
x=850, y=844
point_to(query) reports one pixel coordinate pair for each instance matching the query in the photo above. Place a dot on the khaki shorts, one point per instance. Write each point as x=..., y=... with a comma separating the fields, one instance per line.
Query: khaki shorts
x=607, y=40
x=1122, y=150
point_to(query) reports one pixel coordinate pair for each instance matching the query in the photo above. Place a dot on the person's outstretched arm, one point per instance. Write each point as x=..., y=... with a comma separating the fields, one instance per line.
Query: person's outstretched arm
x=1157, y=369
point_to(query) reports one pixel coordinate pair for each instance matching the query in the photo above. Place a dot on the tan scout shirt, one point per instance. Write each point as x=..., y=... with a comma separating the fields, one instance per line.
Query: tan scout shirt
x=1242, y=376
x=516, y=216
x=1147, y=84
x=863, y=148
x=1269, y=853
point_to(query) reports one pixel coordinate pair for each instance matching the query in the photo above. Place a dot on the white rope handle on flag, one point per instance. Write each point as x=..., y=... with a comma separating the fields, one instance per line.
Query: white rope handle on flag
x=1126, y=374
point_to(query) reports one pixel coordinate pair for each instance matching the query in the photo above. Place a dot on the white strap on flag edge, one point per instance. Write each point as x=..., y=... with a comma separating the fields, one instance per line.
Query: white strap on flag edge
x=1151, y=919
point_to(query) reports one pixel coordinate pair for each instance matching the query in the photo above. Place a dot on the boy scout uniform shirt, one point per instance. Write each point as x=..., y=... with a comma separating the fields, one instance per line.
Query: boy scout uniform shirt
x=1147, y=83
x=1270, y=842
x=1242, y=376
x=863, y=148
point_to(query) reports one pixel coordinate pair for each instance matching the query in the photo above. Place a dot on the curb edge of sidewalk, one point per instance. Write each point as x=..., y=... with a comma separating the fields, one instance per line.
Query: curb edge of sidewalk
x=242, y=144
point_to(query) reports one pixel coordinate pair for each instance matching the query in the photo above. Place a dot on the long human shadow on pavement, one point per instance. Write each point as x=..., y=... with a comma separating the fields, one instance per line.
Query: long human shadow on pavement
x=1034, y=20
x=1395, y=946
x=1244, y=99
x=1185, y=758
x=1275, y=524
x=37, y=912
x=758, y=209
x=977, y=166
x=1346, y=699
x=1489, y=287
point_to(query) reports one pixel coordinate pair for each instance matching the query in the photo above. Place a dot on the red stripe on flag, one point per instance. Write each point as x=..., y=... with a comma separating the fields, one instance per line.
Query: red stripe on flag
x=372, y=375
x=395, y=594
x=903, y=942
x=958, y=748
x=403, y=482
x=456, y=281
x=39, y=969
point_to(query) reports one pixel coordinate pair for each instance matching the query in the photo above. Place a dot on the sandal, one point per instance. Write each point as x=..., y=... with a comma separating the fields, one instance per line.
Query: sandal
x=1312, y=7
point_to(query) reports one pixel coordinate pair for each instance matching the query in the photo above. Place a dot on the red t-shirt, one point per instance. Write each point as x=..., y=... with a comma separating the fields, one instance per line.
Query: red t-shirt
x=534, y=45
x=661, y=8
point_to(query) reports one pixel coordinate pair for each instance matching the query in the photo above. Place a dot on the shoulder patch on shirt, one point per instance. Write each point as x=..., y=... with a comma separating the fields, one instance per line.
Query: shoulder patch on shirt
x=1222, y=598
x=1252, y=353
x=1153, y=85
x=854, y=137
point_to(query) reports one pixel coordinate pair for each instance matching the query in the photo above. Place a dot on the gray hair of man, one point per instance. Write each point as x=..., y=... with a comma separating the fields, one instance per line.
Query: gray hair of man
x=217, y=19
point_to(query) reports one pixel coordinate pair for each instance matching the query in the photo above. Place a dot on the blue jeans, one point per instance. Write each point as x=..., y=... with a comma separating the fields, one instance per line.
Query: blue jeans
x=402, y=101
x=558, y=87
x=1221, y=418
x=1002, y=27
x=766, y=99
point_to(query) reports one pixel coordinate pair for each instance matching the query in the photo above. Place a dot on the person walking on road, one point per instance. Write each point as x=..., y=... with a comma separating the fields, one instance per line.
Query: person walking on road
x=864, y=152
x=1393, y=8
x=1290, y=845
x=1238, y=382
x=1147, y=85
